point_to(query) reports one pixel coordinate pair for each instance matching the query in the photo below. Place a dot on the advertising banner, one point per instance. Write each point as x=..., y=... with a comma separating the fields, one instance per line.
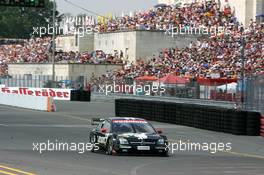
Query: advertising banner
x=56, y=94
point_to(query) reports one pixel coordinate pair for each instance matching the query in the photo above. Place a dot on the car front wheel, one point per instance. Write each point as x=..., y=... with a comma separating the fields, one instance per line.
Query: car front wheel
x=93, y=142
x=109, y=147
x=165, y=154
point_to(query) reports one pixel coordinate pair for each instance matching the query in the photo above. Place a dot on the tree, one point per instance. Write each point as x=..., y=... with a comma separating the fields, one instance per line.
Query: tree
x=18, y=22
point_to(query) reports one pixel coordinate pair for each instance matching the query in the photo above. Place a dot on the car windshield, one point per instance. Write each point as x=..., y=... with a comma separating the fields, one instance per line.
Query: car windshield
x=124, y=126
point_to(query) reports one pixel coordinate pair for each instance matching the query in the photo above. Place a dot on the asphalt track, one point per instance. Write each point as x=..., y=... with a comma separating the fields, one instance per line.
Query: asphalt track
x=19, y=128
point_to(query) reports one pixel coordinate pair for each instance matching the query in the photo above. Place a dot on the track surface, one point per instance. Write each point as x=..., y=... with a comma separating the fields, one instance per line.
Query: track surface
x=19, y=128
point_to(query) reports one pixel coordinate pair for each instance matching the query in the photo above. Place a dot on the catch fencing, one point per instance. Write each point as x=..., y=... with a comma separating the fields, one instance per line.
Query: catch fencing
x=247, y=95
x=254, y=94
x=44, y=81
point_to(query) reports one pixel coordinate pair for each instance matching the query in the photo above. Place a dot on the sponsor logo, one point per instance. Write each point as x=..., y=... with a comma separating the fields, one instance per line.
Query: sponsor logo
x=57, y=94
x=140, y=136
x=129, y=121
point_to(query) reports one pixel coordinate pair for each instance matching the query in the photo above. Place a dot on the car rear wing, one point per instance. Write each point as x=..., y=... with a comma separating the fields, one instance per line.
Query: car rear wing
x=96, y=121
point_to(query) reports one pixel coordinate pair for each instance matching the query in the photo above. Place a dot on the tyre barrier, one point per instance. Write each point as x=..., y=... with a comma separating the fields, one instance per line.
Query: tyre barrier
x=262, y=126
x=78, y=95
x=198, y=116
x=253, y=123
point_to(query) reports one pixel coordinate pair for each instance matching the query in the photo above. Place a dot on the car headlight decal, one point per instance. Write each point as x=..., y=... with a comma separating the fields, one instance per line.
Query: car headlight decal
x=161, y=142
x=123, y=141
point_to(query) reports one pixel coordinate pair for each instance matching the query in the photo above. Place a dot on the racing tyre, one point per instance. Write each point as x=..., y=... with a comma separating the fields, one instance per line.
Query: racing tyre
x=109, y=147
x=93, y=142
x=165, y=154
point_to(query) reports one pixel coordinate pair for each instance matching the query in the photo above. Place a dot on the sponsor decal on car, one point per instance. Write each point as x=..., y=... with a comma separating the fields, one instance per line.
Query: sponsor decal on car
x=129, y=121
x=138, y=135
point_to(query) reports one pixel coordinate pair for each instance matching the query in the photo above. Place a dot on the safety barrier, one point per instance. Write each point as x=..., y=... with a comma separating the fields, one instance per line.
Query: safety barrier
x=262, y=126
x=79, y=95
x=193, y=115
x=253, y=123
x=28, y=102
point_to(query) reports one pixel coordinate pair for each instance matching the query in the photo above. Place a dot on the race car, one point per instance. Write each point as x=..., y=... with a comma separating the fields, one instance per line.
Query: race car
x=127, y=135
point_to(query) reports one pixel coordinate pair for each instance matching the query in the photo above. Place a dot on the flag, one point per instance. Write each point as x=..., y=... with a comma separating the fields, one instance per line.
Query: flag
x=87, y=21
x=110, y=16
x=99, y=19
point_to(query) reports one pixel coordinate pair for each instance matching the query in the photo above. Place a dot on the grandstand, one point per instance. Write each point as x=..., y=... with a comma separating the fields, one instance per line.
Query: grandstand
x=216, y=54
x=244, y=10
x=138, y=45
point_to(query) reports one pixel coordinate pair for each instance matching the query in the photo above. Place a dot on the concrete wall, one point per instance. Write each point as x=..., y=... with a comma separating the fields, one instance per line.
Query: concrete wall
x=86, y=43
x=140, y=44
x=149, y=43
x=62, y=70
x=38, y=69
x=109, y=42
x=88, y=70
x=75, y=43
x=259, y=8
x=134, y=44
x=66, y=43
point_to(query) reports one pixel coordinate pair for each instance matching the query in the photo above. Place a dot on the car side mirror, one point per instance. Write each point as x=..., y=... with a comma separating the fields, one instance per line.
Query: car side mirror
x=159, y=131
x=103, y=130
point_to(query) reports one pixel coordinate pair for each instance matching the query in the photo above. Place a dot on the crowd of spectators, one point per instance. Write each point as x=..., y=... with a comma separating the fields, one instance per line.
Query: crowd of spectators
x=219, y=56
x=38, y=50
x=216, y=55
x=34, y=50
x=162, y=17
x=95, y=57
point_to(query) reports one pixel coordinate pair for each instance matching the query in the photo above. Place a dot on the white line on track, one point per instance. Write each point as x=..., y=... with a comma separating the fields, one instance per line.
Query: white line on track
x=232, y=152
x=3, y=125
x=47, y=126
